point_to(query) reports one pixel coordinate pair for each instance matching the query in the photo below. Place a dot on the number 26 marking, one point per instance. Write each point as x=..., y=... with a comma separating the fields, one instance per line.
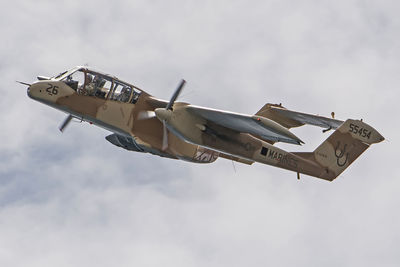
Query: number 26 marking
x=52, y=89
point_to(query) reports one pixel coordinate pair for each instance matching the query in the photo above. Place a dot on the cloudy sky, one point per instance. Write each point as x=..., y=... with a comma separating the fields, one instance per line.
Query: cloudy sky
x=73, y=199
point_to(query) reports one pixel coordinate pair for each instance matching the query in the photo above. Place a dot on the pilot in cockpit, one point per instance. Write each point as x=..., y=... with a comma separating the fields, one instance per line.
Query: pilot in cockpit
x=125, y=94
x=90, y=84
x=99, y=82
x=87, y=87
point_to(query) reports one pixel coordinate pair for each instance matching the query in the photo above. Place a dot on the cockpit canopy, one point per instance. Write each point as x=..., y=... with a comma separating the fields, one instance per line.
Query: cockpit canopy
x=92, y=83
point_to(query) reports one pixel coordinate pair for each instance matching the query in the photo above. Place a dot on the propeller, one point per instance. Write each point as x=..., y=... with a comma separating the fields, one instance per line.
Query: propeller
x=164, y=113
x=165, y=137
x=175, y=95
x=66, y=122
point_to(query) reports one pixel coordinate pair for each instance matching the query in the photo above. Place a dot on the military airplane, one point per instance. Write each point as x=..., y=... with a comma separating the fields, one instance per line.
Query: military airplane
x=141, y=122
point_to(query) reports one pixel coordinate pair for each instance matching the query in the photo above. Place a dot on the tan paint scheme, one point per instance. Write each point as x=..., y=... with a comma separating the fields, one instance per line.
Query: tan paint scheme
x=194, y=139
x=265, y=111
x=122, y=116
x=330, y=159
x=38, y=91
x=241, y=145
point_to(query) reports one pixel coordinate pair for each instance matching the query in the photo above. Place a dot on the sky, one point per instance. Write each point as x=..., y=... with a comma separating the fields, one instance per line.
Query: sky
x=73, y=199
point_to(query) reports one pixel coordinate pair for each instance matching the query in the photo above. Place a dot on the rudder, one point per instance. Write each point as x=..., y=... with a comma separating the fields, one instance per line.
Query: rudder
x=342, y=148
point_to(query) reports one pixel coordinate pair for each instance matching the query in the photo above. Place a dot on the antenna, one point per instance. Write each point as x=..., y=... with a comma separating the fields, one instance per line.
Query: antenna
x=233, y=165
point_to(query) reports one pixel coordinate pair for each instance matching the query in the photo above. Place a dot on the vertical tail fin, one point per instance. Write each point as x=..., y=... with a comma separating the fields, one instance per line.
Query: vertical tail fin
x=341, y=148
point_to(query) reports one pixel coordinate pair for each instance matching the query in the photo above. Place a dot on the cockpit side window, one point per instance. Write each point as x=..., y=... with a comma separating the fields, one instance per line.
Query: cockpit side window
x=121, y=92
x=135, y=96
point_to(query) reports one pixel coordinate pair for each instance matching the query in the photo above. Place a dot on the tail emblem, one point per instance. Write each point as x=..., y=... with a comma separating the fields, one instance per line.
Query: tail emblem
x=339, y=154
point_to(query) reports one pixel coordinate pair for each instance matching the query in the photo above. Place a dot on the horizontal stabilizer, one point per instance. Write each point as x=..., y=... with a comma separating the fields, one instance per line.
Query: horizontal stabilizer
x=290, y=118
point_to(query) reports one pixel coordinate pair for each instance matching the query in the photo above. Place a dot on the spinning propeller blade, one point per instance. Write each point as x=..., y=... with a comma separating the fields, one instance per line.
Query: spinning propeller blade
x=65, y=123
x=175, y=95
x=165, y=137
x=161, y=113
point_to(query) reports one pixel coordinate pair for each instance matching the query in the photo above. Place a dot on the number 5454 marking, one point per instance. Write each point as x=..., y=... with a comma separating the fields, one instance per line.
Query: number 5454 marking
x=52, y=89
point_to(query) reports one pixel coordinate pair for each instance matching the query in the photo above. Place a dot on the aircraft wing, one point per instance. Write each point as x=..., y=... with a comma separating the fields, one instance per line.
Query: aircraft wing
x=260, y=127
x=290, y=118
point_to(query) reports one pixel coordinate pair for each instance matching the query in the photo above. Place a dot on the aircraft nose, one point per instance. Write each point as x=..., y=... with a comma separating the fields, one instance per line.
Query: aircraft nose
x=38, y=92
x=34, y=91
